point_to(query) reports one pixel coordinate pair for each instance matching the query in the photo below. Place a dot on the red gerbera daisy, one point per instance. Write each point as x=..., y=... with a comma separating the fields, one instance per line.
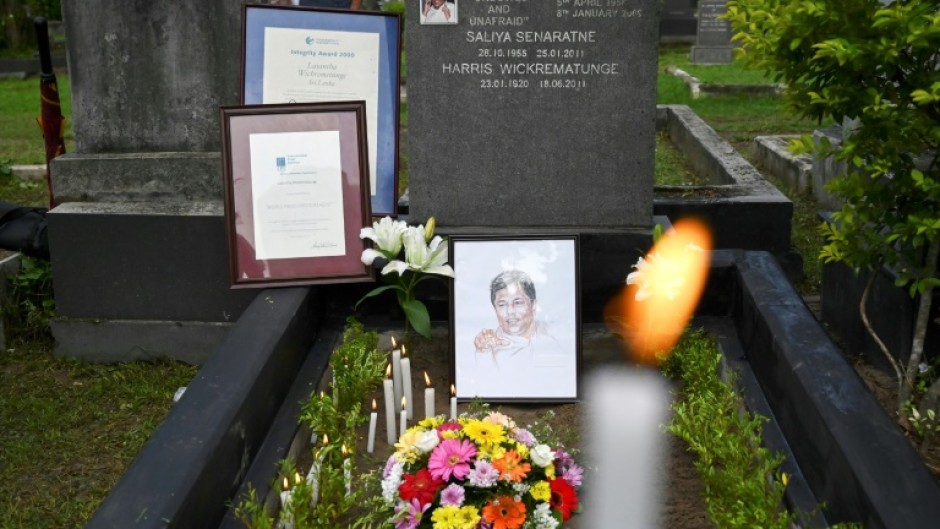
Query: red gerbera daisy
x=421, y=486
x=564, y=497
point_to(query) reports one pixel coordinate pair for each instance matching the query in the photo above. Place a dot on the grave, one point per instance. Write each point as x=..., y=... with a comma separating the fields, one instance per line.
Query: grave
x=239, y=415
x=713, y=40
x=138, y=242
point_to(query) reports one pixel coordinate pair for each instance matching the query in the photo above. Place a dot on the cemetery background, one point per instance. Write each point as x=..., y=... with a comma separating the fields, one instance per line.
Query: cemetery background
x=717, y=113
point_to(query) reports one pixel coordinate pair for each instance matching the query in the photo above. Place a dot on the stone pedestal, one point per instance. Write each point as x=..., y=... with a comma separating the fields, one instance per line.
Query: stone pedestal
x=138, y=242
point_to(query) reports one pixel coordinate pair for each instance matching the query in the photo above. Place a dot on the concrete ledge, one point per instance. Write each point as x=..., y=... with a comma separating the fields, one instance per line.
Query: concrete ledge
x=130, y=340
x=143, y=261
x=199, y=456
x=29, y=172
x=136, y=177
x=9, y=266
x=697, y=88
x=743, y=209
x=774, y=155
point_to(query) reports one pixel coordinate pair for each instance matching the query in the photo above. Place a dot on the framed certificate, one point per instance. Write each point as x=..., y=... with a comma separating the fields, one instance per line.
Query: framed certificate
x=515, y=318
x=298, y=54
x=296, y=181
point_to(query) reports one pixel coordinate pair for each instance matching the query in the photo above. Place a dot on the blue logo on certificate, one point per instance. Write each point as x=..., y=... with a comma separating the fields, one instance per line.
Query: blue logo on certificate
x=281, y=162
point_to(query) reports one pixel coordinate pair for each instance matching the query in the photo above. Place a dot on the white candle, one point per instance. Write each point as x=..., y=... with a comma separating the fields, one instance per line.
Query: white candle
x=389, y=407
x=396, y=374
x=373, y=417
x=347, y=470
x=406, y=383
x=428, y=397
x=404, y=417
x=453, y=402
x=287, y=520
x=314, y=474
x=625, y=410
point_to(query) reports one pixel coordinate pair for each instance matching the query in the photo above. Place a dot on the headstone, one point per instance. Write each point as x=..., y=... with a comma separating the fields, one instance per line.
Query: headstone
x=713, y=41
x=138, y=252
x=533, y=113
x=678, y=23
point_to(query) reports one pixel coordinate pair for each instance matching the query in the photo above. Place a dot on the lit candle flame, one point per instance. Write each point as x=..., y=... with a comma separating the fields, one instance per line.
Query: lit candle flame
x=343, y=450
x=322, y=395
x=388, y=371
x=374, y=406
x=453, y=391
x=403, y=351
x=394, y=343
x=403, y=402
x=326, y=440
x=652, y=312
x=286, y=484
x=297, y=478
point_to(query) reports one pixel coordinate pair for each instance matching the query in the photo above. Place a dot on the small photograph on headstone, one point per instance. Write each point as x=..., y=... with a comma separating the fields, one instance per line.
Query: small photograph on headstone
x=438, y=11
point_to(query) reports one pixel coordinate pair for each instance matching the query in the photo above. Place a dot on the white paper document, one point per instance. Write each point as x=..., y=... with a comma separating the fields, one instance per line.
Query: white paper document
x=307, y=66
x=297, y=195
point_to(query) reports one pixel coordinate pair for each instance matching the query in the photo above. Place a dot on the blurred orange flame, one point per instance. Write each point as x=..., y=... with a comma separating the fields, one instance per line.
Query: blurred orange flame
x=651, y=313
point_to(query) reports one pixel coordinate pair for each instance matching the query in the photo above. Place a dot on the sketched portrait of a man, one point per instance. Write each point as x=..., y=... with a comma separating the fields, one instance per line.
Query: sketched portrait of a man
x=515, y=329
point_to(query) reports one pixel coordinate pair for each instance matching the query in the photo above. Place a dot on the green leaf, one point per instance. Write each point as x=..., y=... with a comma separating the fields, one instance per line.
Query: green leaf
x=417, y=314
x=375, y=292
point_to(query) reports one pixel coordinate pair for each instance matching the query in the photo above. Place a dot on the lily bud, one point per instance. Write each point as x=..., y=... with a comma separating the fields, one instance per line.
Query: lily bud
x=429, y=229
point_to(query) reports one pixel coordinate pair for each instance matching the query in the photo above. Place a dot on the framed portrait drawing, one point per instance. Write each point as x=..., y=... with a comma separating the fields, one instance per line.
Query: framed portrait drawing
x=296, y=190
x=515, y=318
x=298, y=54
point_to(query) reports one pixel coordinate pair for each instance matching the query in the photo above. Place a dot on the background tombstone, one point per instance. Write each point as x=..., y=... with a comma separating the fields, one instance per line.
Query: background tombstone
x=678, y=22
x=138, y=244
x=531, y=115
x=713, y=40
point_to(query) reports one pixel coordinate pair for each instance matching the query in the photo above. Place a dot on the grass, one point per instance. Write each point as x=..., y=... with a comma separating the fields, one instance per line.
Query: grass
x=68, y=428
x=672, y=168
x=21, y=139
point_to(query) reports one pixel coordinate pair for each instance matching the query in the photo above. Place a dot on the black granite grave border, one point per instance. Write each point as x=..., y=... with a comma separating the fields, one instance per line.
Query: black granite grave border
x=849, y=450
x=193, y=464
x=239, y=414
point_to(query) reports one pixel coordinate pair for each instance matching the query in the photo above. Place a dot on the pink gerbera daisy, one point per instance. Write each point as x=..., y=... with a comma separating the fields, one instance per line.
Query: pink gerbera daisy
x=452, y=457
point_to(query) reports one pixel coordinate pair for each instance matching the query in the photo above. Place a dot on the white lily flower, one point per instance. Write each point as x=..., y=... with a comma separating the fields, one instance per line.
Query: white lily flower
x=430, y=258
x=387, y=236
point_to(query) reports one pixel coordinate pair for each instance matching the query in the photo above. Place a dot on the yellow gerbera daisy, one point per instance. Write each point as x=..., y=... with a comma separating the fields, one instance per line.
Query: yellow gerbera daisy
x=522, y=449
x=484, y=432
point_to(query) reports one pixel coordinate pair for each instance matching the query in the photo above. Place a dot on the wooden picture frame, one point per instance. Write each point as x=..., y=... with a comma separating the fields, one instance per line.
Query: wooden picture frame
x=515, y=318
x=294, y=54
x=296, y=189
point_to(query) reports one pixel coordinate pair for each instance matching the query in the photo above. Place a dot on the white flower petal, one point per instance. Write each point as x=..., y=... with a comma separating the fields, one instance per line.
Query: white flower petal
x=369, y=256
x=395, y=266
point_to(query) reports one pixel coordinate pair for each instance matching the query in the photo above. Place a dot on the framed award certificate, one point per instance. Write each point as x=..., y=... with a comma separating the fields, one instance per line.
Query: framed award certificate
x=297, y=54
x=296, y=180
